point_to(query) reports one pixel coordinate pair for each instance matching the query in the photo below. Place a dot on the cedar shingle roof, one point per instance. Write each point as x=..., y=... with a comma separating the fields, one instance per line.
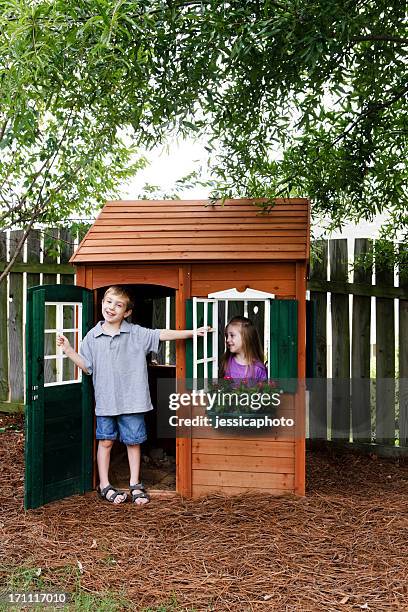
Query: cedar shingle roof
x=195, y=230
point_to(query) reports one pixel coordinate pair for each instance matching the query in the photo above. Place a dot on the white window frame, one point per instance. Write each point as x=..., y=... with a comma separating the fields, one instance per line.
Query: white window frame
x=59, y=329
x=214, y=332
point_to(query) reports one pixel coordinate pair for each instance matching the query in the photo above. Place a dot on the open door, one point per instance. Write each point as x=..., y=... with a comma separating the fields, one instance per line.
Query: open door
x=59, y=408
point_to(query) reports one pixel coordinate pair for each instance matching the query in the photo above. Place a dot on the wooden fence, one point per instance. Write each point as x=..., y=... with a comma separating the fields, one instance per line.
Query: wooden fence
x=364, y=398
x=38, y=264
x=356, y=396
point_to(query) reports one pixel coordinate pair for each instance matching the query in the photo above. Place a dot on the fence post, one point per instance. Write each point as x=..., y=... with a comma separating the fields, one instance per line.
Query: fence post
x=403, y=353
x=66, y=250
x=385, y=357
x=16, y=372
x=360, y=357
x=340, y=408
x=318, y=393
x=33, y=256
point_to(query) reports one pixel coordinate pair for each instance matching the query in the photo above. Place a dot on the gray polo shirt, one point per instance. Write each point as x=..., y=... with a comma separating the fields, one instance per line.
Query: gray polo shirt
x=118, y=367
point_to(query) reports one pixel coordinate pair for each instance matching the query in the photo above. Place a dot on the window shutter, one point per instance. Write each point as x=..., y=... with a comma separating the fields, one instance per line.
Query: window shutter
x=284, y=344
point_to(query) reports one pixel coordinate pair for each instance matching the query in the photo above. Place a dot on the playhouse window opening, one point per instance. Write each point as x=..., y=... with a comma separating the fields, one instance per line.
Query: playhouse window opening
x=217, y=312
x=255, y=311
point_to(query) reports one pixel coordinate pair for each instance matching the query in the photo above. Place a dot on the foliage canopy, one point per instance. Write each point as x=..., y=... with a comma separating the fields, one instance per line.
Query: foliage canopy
x=295, y=97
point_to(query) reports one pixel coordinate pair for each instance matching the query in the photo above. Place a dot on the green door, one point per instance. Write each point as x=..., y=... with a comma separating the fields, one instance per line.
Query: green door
x=59, y=408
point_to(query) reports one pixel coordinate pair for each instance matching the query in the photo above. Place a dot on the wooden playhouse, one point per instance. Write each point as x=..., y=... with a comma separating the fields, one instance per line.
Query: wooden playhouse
x=192, y=249
x=208, y=259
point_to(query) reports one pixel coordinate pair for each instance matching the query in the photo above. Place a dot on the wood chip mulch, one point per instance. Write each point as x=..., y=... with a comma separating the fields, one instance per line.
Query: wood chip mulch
x=343, y=547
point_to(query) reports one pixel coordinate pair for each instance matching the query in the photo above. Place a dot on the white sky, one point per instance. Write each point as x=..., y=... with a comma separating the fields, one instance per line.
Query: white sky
x=178, y=158
x=167, y=165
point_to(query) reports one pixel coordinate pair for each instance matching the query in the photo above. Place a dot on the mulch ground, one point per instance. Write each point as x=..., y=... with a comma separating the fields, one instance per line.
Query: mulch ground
x=342, y=547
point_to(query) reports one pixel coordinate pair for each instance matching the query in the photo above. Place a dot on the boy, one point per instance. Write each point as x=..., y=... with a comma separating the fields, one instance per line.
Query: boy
x=114, y=352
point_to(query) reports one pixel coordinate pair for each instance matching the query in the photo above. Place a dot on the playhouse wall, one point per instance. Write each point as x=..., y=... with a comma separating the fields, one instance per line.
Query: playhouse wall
x=232, y=463
x=277, y=277
x=274, y=463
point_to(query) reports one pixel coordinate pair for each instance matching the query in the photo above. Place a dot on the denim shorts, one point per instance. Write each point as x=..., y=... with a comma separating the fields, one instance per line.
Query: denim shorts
x=128, y=428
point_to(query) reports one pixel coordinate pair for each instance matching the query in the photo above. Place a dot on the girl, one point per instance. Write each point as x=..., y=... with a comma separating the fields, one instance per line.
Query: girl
x=243, y=357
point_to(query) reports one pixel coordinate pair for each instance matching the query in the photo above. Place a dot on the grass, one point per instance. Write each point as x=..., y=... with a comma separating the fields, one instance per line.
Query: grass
x=32, y=579
x=65, y=579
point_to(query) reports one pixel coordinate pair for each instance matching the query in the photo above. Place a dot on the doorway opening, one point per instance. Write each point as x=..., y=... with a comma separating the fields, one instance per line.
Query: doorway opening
x=154, y=308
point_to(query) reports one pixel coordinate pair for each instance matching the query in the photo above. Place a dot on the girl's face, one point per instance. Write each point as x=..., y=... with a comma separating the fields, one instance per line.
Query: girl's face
x=233, y=339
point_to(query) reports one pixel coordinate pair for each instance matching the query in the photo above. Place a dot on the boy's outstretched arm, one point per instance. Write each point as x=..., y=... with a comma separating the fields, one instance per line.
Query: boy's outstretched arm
x=182, y=334
x=70, y=353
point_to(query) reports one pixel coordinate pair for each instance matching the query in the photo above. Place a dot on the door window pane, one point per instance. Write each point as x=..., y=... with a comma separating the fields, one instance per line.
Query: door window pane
x=50, y=343
x=61, y=318
x=50, y=317
x=50, y=371
x=69, y=370
x=68, y=317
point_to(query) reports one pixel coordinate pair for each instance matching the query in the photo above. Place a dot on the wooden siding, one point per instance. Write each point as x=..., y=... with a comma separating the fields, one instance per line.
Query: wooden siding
x=231, y=463
x=104, y=275
x=236, y=465
x=196, y=230
x=278, y=278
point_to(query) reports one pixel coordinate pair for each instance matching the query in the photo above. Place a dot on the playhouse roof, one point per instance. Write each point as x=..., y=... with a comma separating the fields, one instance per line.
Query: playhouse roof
x=196, y=230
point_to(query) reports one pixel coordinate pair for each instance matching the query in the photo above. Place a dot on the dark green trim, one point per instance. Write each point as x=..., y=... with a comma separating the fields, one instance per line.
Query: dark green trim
x=34, y=492
x=87, y=400
x=357, y=289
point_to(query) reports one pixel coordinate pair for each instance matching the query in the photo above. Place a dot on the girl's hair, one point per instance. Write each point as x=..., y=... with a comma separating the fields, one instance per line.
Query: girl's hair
x=251, y=343
x=121, y=292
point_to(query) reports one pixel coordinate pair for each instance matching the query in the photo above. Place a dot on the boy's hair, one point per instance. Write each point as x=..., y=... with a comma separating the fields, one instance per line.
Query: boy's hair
x=121, y=292
x=251, y=343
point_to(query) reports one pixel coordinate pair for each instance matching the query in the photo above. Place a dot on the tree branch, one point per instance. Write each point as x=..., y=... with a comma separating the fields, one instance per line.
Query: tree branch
x=18, y=247
x=376, y=108
x=3, y=129
x=379, y=37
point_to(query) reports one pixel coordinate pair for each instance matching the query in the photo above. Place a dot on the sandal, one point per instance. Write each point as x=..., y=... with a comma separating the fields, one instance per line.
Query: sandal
x=103, y=494
x=138, y=491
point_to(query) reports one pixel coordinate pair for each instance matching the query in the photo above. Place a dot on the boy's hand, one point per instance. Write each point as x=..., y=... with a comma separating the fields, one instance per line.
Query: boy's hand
x=63, y=342
x=201, y=331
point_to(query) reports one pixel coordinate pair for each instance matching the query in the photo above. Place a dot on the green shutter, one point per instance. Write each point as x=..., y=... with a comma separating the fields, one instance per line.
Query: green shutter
x=59, y=418
x=284, y=343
